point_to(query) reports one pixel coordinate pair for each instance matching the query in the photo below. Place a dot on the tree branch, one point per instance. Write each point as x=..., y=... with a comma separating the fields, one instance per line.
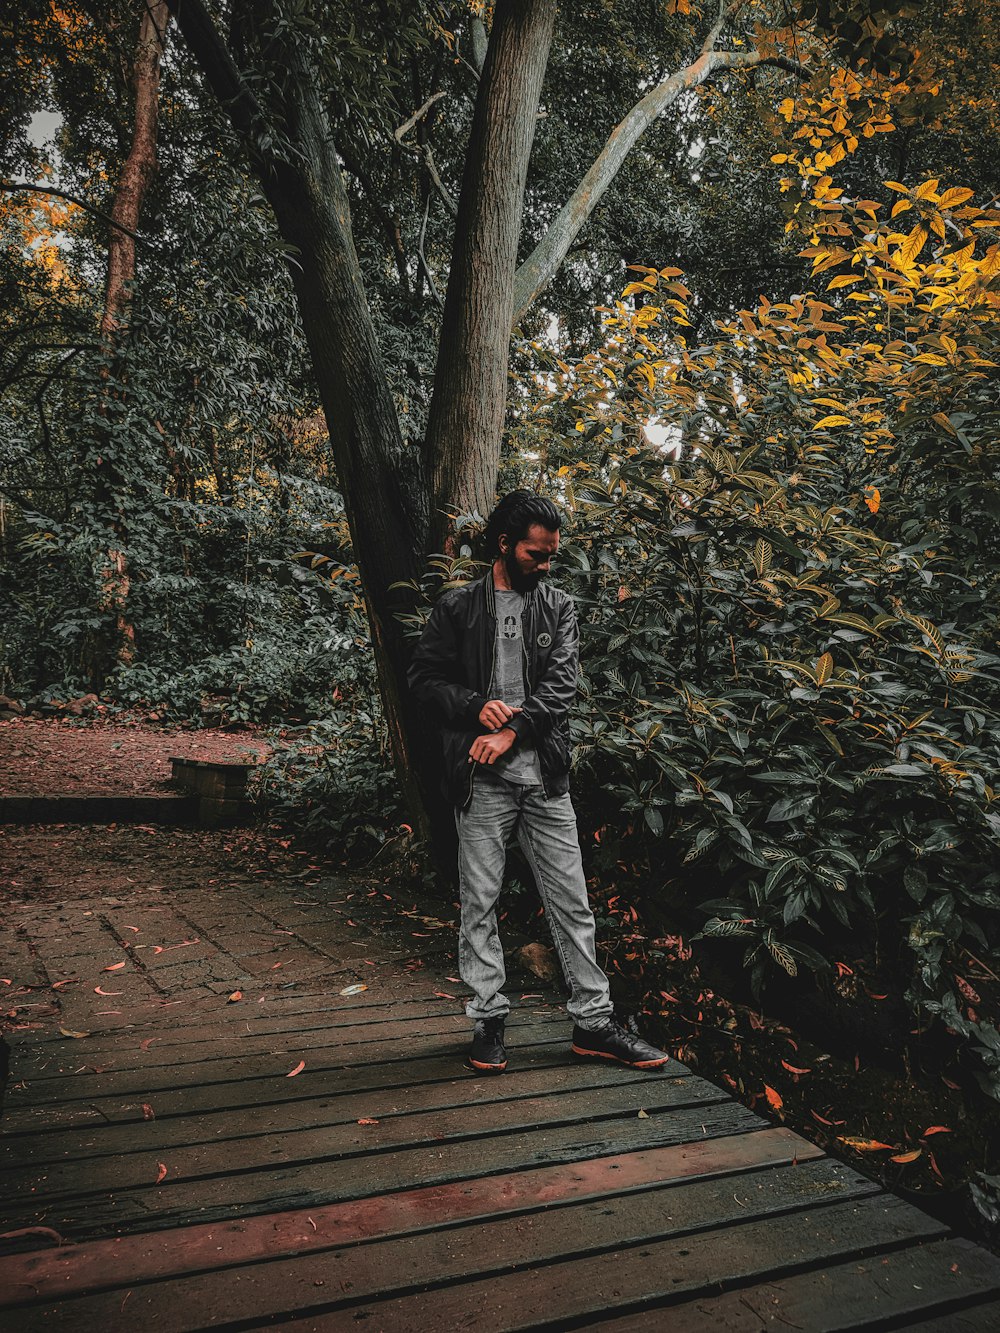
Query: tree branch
x=15, y=186
x=404, y=129
x=538, y=270
x=423, y=258
x=424, y=150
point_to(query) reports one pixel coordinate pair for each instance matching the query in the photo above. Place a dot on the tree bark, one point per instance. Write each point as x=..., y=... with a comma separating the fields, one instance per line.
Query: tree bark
x=138, y=171
x=466, y=419
x=139, y=167
x=380, y=476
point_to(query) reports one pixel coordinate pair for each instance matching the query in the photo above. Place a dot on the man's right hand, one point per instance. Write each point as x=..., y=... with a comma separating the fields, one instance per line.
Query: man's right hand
x=496, y=713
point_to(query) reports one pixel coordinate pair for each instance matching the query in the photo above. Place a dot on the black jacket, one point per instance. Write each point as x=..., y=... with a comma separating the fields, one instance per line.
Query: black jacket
x=451, y=673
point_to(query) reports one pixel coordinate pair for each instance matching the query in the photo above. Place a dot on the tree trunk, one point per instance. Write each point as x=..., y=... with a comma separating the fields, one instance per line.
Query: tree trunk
x=380, y=476
x=466, y=420
x=140, y=165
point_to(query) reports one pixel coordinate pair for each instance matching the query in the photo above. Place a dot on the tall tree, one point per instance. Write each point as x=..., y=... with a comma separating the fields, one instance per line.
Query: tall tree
x=277, y=80
x=126, y=212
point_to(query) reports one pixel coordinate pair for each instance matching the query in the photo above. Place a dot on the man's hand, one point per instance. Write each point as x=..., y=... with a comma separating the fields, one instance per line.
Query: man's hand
x=488, y=749
x=495, y=713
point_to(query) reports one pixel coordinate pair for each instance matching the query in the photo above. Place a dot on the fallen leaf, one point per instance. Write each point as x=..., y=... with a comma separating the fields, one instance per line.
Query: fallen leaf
x=67, y=1032
x=773, y=1098
x=297, y=1070
x=146, y=1042
x=58, y=985
x=366, y=1121
x=453, y=979
x=907, y=1156
x=354, y=990
x=107, y=993
x=443, y=995
x=792, y=1069
x=816, y=1116
x=147, y=1112
x=937, y=1129
x=864, y=1145
x=113, y=967
x=642, y=1115
x=236, y=995
x=161, y=1173
x=157, y=948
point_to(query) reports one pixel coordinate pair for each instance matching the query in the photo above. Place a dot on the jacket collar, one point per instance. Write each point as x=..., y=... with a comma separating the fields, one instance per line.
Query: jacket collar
x=491, y=599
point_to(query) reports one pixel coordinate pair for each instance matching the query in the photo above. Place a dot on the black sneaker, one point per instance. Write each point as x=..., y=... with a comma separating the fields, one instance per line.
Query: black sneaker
x=487, y=1051
x=618, y=1041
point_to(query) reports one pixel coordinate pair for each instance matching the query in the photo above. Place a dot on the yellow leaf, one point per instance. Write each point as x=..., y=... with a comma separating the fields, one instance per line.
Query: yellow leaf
x=864, y=1145
x=844, y=280
x=824, y=669
x=835, y=420
x=873, y=498
x=955, y=196
x=912, y=246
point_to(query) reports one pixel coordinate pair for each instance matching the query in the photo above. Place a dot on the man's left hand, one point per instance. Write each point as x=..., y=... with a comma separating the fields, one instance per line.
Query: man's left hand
x=488, y=749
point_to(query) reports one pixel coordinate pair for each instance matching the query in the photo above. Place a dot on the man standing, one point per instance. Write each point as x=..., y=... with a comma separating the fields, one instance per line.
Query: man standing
x=497, y=664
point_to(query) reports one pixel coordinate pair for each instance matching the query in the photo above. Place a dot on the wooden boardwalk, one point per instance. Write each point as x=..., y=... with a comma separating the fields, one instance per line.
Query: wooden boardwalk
x=384, y=1187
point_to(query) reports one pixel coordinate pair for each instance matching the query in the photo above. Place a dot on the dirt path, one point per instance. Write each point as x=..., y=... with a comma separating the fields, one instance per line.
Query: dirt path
x=60, y=757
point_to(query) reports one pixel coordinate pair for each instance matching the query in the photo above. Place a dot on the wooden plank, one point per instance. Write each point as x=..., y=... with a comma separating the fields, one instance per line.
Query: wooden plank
x=308, y=1184
x=494, y=1248
x=48, y=1076
x=231, y=1023
x=316, y=1079
x=338, y=1137
x=975, y=1319
x=891, y=1287
x=345, y=1107
x=69, y=1270
x=88, y=1081
x=651, y=1275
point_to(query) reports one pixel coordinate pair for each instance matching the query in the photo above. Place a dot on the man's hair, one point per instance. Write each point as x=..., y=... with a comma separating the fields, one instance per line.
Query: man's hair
x=514, y=515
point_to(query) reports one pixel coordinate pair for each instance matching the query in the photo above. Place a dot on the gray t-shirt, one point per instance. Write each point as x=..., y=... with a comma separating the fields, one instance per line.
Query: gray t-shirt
x=520, y=764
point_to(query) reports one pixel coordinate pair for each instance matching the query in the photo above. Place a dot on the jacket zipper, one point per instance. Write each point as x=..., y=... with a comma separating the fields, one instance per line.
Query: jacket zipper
x=489, y=690
x=527, y=687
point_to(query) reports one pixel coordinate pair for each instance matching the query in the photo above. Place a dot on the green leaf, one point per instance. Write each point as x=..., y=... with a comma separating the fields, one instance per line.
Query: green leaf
x=789, y=807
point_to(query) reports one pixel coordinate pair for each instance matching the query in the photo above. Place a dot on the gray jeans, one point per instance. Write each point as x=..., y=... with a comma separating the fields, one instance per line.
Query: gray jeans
x=546, y=831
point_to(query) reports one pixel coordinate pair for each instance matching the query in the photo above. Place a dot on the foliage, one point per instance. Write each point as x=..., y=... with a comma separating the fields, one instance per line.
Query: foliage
x=789, y=623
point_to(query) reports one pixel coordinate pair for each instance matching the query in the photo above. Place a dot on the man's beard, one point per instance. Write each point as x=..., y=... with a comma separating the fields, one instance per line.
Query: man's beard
x=518, y=580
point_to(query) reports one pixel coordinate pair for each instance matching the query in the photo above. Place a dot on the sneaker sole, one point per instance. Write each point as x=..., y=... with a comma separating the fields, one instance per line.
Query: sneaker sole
x=629, y=1064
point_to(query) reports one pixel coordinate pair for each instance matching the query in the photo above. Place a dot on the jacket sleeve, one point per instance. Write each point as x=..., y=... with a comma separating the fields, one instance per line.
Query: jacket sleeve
x=434, y=670
x=553, y=696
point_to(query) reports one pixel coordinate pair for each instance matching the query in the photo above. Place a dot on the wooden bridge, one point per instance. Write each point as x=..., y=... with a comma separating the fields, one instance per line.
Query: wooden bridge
x=312, y=1151
x=201, y=1185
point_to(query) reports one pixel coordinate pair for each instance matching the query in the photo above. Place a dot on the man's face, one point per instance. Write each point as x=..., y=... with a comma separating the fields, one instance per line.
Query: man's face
x=529, y=561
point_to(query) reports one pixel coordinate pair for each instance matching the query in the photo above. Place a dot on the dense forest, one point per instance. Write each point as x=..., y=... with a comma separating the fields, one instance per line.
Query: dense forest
x=292, y=291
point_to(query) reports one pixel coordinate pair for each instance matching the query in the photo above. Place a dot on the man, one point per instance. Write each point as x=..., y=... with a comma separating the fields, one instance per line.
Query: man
x=497, y=665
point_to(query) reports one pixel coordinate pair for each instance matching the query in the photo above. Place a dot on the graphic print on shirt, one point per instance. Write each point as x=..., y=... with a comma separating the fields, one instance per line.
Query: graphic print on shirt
x=511, y=628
